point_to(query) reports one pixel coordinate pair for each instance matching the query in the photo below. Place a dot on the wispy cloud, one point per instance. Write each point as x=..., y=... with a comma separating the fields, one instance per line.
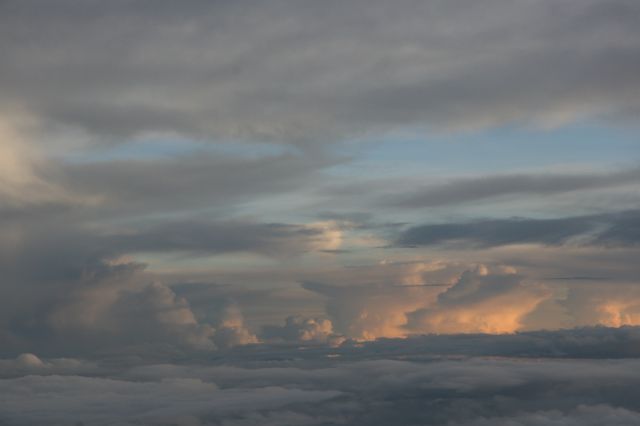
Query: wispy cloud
x=616, y=229
x=467, y=190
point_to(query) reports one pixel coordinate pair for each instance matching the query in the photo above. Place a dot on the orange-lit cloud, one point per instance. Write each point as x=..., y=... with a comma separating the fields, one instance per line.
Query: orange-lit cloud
x=232, y=330
x=304, y=330
x=616, y=305
x=481, y=301
x=370, y=312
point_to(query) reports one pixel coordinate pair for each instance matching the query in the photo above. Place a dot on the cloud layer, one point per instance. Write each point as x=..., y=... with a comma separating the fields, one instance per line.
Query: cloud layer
x=293, y=71
x=608, y=229
x=402, y=381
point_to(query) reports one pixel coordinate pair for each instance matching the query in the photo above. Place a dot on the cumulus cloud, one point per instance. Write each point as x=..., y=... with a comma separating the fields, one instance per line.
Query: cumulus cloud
x=610, y=305
x=118, y=308
x=480, y=302
x=232, y=330
x=303, y=330
x=484, y=299
x=127, y=310
x=372, y=311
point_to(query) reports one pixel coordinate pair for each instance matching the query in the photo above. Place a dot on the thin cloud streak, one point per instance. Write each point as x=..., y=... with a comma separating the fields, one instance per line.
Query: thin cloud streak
x=612, y=229
x=468, y=190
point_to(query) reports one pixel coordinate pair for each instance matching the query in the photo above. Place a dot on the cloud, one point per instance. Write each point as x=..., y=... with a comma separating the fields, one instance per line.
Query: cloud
x=124, y=309
x=465, y=190
x=480, y=302
x=118, y=308
x=25, y=182
x=93, y=401
x=583, y=415
x=594, y=342
x=488, y=233
x=232, y=331
x=295, y=72
x=190, y=180
x=610, y=305
x=208, y=237
x=624, y=231
x=255, y=100
x=140, y=72
x=30, y=364
x=615, y=229
x=484, y=299
x=303, y=330
x=368, y=384
x=371, y=311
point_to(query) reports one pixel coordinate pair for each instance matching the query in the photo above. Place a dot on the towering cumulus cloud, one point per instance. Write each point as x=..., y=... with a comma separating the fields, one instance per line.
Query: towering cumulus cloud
x=369, y=312
x=613, y=307
x=481, y=302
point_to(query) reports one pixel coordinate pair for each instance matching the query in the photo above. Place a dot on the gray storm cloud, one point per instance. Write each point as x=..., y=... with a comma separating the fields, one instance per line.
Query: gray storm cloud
x=298, y=72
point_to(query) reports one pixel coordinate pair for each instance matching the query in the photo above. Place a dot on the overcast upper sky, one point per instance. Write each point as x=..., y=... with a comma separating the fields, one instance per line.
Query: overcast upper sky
x=203, y=180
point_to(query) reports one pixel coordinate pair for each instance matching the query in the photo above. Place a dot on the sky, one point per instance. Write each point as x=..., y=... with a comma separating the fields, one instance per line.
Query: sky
x=229, y=212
